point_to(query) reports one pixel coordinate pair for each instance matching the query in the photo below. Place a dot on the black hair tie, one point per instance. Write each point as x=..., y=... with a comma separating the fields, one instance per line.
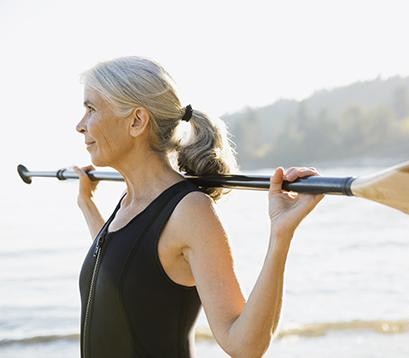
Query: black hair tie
x=188, y=113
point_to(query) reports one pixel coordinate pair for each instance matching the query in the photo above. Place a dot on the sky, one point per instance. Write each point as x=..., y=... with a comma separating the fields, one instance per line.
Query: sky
x=223, y=55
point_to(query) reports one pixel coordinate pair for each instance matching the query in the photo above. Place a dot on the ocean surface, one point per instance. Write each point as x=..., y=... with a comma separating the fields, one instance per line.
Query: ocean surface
x=346, y=290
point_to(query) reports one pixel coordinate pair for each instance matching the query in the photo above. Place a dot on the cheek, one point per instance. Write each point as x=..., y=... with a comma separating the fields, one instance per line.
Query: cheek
x=110, y=135
x=91, y=123
x=95, y=128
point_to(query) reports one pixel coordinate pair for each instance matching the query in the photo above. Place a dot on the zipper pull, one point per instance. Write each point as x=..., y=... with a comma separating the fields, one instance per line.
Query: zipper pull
x=99, y=244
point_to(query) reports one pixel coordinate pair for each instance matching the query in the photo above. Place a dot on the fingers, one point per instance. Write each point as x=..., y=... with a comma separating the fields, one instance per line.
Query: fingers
x=79, y=171
x=300, y=172
x=83, y=170
x=293, y=173
x=86, y=168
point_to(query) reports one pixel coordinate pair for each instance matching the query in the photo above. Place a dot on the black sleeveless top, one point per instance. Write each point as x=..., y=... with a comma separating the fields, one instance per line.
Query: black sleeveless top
x=129, y=306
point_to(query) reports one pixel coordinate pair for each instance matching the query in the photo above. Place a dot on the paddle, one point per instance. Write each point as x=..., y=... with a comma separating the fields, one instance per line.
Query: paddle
x=389, y=187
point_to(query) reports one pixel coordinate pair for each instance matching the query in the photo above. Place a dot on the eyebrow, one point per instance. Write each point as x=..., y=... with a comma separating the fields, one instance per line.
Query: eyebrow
x=87, y=103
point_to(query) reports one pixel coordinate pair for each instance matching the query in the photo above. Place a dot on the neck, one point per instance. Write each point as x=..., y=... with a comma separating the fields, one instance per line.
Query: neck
x=146, y=177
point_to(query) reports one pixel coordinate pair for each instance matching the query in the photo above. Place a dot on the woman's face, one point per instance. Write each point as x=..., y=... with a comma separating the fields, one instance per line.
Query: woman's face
x=106, y=135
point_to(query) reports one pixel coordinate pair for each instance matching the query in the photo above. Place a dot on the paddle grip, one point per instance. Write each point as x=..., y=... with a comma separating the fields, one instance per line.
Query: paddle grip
x=321, y=185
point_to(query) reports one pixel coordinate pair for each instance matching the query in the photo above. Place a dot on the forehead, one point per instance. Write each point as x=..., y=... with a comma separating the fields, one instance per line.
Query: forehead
x=94, y=97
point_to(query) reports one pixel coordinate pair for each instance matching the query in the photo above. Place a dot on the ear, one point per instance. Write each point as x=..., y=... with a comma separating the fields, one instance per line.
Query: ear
x=139, y=120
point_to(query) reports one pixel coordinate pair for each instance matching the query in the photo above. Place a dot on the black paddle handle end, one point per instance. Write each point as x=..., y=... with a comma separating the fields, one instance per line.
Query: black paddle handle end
x=22, y=171
x=321, y=185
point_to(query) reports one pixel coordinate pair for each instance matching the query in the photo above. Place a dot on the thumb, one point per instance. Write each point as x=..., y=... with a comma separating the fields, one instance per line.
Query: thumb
x=276, y=180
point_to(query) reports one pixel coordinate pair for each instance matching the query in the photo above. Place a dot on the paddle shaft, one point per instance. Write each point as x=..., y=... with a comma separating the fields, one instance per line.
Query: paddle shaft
x=312, y=184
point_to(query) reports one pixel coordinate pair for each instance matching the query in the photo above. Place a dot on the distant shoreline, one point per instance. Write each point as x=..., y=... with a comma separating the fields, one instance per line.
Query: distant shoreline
x=351, y=162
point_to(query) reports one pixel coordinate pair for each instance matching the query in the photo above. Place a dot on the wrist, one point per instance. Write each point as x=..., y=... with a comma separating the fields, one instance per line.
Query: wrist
x=84, y=202
x=285, y=233
x=280, y=242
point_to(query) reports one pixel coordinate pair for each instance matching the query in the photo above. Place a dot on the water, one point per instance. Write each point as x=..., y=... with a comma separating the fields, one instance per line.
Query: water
x=346, y=281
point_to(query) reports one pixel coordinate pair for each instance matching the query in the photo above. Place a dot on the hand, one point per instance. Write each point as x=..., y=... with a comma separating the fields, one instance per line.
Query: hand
x=287, y=209
x=87, y=186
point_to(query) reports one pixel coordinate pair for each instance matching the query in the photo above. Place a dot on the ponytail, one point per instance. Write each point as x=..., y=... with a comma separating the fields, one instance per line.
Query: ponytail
x=208, y=152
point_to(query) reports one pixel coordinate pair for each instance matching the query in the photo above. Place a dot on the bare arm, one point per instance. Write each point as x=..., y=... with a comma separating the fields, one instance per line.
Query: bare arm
x=92, y=216
x=242, y=329
x=260, y=316
x=87, y=187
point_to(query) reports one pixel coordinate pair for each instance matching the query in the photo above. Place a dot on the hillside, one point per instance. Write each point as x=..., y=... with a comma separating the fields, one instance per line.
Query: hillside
x=357, y=123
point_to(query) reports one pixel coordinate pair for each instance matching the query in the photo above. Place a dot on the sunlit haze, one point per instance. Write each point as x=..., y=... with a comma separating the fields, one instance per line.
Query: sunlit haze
x=223, y=55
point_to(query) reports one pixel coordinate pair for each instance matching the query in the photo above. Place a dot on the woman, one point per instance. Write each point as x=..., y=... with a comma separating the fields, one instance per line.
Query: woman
x=163, y=252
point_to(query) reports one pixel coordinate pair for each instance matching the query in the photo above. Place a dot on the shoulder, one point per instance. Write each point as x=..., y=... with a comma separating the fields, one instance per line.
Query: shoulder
x=194, y=199
x=195, y=219
x=193, y=204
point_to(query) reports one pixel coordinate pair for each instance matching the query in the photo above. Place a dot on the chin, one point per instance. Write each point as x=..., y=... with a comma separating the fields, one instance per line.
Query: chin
x=98, y=162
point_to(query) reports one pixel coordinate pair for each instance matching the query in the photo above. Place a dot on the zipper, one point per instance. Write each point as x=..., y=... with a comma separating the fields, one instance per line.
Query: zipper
x=97, y=254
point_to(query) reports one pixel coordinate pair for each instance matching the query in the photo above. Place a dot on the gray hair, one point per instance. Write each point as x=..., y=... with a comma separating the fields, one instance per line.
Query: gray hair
x=128, y=82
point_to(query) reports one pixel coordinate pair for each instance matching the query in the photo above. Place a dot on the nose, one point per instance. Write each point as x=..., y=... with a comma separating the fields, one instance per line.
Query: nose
x=80, y=127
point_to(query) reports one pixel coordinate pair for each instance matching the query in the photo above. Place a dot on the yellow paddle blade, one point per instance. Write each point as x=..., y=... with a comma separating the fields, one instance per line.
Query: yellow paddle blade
x=389, y=187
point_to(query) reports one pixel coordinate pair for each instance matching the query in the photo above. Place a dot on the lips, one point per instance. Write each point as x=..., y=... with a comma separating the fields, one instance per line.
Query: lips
x=89, y=145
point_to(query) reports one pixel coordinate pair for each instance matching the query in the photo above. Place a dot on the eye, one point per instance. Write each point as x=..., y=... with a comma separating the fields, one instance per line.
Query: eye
x=90, y=109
